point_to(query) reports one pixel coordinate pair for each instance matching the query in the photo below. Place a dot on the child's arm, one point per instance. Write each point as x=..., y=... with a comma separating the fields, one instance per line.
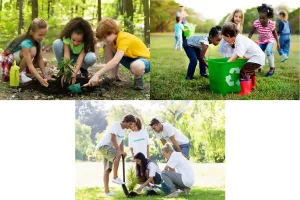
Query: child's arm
x=109, y=66
x=251, y=32
x=202, y=53
x=148, y=152
x=114, y=142
x=122, y=148
x=132, y=155
x=233, y=58
x=78, y=65
x=43, y=67
x=276, y=38
x=66, y=52
x=280, y=27
x=28, y=61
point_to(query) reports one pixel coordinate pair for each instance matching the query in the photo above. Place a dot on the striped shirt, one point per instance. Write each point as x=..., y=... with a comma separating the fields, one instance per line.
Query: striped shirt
x=265, y=34
x=194, y=41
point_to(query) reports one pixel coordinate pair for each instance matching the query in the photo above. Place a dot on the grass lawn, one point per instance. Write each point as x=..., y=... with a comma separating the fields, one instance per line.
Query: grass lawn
x=96, y=193
x=169, y=70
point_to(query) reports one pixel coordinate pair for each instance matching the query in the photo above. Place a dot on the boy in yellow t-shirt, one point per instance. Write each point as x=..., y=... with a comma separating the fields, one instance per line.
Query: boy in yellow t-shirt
x=132, y=53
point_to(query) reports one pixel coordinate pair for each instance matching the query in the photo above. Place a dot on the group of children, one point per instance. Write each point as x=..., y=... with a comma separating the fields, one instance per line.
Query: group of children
x=234, y=45
x=77, y=42
x=178, y=173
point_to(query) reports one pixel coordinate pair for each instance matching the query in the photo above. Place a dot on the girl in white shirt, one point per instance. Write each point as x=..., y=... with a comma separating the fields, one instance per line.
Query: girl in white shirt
x=138, y=140
x=247, y=49
x=146, y=171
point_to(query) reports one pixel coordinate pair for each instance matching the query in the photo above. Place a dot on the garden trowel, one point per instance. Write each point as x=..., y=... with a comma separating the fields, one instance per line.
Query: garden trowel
x=76, y=88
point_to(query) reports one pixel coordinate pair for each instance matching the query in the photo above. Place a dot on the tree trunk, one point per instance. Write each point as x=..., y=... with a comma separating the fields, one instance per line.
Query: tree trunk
x=128, y=5
x=121, y=7
x=99, y=11
x=20, y=16
x=83, y=2
x=49, y=8
x=0, y=5
x=147, y=22
x=35, y=9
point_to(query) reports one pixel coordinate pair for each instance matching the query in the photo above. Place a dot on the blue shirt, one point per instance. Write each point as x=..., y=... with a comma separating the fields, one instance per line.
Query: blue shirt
x=284, y=28
x=27, y=44
x=178, y=29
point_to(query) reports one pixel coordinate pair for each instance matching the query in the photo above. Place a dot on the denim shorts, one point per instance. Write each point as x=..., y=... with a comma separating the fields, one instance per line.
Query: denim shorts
x=126, y=62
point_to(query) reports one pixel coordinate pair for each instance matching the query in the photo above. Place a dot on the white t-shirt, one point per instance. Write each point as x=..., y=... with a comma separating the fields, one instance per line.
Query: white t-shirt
x=182, y=166
x=138, y=141
x=153, y=168
x=245, y=47
x=168, y=131
x=116, y=129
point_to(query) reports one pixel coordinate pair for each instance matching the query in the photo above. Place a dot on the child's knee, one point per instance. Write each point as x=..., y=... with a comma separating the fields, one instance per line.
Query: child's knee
x=58, y=43
x=90, y=59
x=137, y=67
x=33, y=52
x=269, y=52
x=193, y=62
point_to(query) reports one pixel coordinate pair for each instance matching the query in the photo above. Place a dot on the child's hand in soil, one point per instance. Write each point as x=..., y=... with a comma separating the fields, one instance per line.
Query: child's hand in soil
x=44, y=82
x=93, y=81
x=74, y=78
x=47, y=77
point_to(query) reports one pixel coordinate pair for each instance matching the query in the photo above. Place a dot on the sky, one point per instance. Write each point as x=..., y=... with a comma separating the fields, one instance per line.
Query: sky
x=217, y=9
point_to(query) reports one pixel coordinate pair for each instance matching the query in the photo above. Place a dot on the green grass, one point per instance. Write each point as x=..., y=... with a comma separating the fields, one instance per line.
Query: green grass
x=169, y=70
x=96, y=193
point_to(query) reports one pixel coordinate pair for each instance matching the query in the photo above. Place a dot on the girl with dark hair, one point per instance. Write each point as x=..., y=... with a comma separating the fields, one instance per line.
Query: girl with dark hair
x=76, y=42
x=195, y=48
x=27, y=51
x=138, y=139
x=146, y=171
x=267, y=34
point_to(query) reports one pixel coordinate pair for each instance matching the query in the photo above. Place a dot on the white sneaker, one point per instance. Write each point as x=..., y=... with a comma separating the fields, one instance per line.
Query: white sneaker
x=24, y=78
x=109, y=194
x=118, y=181
x=283, y=58
x=154, y=189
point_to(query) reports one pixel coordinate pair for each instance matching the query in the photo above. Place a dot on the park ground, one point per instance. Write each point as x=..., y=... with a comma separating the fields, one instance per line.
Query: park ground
x=209, y=182
x=169, y=70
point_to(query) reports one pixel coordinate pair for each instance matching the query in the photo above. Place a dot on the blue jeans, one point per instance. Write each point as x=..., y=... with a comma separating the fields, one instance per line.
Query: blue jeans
x=178, y=41
x=268, y=47
x=126, y=62
x=58, y=50
x=284, y=41
x=185, y=148
x=194, y=55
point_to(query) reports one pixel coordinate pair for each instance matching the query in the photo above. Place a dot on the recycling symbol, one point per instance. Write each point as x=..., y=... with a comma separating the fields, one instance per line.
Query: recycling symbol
x=228, y=78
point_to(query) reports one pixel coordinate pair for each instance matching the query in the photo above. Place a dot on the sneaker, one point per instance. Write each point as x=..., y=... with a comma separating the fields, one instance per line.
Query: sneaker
x=24, y=78
x=172, y=195
x=186, y=191
x=154, y=189
x=283, y=57
x=118, y=181
x=138, y=83
x=109, y=194
x=204, y=75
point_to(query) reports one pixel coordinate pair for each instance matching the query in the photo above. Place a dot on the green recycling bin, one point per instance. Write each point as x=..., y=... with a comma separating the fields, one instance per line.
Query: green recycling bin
x=224, y=77
x=191, y=30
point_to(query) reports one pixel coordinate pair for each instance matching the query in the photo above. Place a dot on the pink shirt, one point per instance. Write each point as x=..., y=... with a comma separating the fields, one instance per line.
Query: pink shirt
x=265, y=34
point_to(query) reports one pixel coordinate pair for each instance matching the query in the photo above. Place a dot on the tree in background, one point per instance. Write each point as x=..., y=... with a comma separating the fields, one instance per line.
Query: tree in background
x=82, y=141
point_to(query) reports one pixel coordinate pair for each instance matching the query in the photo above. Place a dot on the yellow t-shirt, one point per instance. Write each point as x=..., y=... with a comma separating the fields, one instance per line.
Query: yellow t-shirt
x=132, y=46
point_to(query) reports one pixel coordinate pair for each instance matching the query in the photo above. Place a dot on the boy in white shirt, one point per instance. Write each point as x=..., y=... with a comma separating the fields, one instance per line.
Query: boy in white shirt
x=138, y=140
x=111, y=147
x=247, y=49
x=168, y=133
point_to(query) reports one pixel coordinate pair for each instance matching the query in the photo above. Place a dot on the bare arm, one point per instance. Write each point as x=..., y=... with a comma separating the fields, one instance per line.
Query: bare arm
x=66, y=52
x=131, y=150
x=163, y=141
x=42, y=64
x=79, y=61
x=148, y=154
x=176, y=145
x=233, y=58
x=28, y=60
x=251, y=32
x=276, y=38
x=114, y=142
x=202, y=54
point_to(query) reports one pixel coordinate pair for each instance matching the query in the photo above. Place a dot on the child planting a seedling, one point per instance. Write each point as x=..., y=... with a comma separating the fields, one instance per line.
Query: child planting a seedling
x=284, y=33
x=247, y=49
x=236, y=17
x=147, y=172
x=131, y=52
x=111, y=147
x=267, y=34
x=195, y=48
x=76, y=43
x=138, y=140
x=27, y=52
